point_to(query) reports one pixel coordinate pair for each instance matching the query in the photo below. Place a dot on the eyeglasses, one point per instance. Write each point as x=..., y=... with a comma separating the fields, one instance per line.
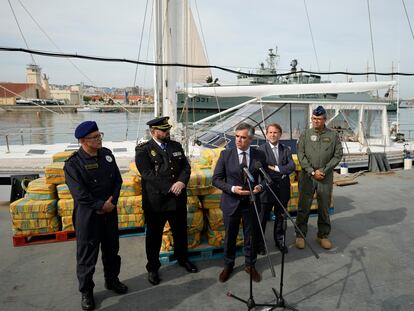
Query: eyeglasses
x=96, y=137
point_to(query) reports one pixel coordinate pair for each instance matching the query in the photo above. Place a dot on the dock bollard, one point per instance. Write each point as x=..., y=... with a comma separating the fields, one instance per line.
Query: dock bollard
x=408, y=163
x=344, y=169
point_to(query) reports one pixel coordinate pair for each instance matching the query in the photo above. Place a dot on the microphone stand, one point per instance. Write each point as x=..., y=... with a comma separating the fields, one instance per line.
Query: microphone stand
x=280, y=301
x=250, y=301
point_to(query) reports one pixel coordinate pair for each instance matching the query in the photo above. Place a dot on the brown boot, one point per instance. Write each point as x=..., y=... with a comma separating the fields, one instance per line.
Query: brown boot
x=325, y=243
x=255, y=275
x=300, y=243
x=225, y=274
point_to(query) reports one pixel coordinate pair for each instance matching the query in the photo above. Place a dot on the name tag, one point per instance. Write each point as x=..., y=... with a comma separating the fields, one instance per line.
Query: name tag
x=326, y=139
x=177, y=154
x=91, y=166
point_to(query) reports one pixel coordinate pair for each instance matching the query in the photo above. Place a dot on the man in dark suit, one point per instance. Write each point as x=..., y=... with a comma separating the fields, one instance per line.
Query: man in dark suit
x=280, y=164
x=165, y=173
x=229, y=177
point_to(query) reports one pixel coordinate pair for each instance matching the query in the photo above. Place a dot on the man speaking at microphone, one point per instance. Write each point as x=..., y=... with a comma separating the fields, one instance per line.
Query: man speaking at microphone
x=230, y=177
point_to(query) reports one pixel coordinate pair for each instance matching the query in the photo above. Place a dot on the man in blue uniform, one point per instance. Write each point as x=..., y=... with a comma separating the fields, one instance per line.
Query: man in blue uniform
x=165, y=173
x=94, y=181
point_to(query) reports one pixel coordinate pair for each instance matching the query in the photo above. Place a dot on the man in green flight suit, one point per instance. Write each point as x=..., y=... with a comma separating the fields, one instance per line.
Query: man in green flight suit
x=319, y=151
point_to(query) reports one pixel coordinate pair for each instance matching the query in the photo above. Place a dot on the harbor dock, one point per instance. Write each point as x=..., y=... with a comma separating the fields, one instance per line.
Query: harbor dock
x=369, y=268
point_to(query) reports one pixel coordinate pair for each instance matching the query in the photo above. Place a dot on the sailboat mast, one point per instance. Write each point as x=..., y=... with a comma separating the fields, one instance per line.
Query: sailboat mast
x=158, y=50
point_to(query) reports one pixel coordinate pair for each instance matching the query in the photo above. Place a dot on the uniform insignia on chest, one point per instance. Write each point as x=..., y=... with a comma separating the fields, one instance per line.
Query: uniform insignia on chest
x=108, y=158
x=177, y=154
x=153, y=153
x=314, y=138
x=91, y=166
x=326, y=139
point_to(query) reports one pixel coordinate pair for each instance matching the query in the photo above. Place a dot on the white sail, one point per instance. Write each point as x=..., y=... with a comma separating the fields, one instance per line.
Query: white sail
x=260, y=91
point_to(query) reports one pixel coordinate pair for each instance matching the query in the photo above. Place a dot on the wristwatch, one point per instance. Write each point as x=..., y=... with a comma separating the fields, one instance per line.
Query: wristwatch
x=313, y=173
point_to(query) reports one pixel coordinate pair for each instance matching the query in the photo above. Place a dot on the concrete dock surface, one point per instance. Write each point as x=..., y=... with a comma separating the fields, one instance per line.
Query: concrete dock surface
x=370, y=267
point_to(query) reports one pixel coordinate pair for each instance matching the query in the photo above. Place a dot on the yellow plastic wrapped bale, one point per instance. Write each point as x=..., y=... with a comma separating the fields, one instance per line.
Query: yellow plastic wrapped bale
x=67, y=224
x=195, y=221
x=293, y=204
x=31, y=206
x=193, y=239
x=296, y=160
x=62, y=156
x=193, y=204
x=35, y=215
x=38, y=189
x=53, y=227
x=131, y=185
x=132, y=224
x=293, y=177
x=54, y=173
x=215, y=218
x=199, y=163
x=211, y=155
x=216, y=237
x=211, y=200
x=294, y=190
x=65, y=207
x=167, y=242
x=133, y=168
x=130, y=205
x=63, y=191
x=200, y=182
x=130, y=218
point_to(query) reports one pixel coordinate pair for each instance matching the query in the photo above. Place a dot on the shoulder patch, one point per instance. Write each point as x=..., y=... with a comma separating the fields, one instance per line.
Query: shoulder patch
x=71, y=156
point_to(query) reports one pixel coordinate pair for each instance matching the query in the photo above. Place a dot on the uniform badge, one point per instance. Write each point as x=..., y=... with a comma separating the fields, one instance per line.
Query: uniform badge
x=314, y=138
x=108, y=158
x=177, y=154
x=153, y=153
x=326, y=139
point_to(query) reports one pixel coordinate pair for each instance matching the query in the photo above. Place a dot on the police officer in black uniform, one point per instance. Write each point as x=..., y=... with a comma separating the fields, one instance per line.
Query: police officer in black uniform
x=165, y=173
x=94, y=181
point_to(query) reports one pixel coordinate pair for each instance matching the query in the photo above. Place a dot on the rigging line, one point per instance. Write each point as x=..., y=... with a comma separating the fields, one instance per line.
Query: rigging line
x=21, y=32
x=53, y=43
x=140, y=41
x=311, y=33
x=372, y=39
x=50, y=110
x=408, y=18
x=226, y=69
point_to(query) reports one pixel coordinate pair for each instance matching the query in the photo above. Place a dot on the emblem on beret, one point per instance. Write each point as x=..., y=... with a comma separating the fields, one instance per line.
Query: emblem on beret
x=108, y=158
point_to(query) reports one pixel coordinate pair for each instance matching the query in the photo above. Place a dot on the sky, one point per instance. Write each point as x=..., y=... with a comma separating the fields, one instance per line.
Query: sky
x=237, y=34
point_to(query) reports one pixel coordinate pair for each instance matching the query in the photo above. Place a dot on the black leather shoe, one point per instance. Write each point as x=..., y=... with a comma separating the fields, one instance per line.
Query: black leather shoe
x=189, y=266
x=87, y=302
x=225, y=274
x=117, y=287
x=153, y=277
x=283, y=249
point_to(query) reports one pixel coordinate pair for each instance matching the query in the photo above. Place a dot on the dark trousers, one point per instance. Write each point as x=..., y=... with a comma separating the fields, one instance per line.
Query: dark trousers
x=278, y=233
x=246, y=213
x=155, y=226
x=87, y=254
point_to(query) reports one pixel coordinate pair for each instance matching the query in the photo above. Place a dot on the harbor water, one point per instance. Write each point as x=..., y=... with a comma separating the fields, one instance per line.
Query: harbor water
x=48, y=128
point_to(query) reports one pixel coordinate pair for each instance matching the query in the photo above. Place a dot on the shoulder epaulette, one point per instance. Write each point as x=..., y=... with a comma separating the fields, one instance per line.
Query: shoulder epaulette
x=141, y=144
x=71, y=156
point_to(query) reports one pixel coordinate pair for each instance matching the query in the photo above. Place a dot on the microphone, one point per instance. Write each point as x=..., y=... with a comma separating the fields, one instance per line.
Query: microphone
x=258, y=166
x=247, y=172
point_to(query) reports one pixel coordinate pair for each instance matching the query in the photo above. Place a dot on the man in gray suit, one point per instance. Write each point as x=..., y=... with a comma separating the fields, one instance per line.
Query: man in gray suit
x=280, y=163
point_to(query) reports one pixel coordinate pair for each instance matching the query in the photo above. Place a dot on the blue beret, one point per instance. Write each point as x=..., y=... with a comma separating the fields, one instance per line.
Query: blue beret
x=85, y=128
x=319, y=111
x=160, y=123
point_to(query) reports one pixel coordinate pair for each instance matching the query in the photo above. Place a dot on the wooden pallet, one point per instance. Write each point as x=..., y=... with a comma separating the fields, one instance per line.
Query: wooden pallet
x=63, y=236
x=52, y=237
x=202, y=252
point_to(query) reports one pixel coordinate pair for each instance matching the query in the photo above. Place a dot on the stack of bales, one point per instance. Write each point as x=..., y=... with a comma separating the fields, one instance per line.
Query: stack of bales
x=130, y=212
x=36, y=212
x=65, y=207
x=195, y=225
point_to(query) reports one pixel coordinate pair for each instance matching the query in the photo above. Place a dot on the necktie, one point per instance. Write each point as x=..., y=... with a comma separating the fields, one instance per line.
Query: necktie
x=244, y=159
x=164, y=146
x=276, y=153
x=244, y=164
